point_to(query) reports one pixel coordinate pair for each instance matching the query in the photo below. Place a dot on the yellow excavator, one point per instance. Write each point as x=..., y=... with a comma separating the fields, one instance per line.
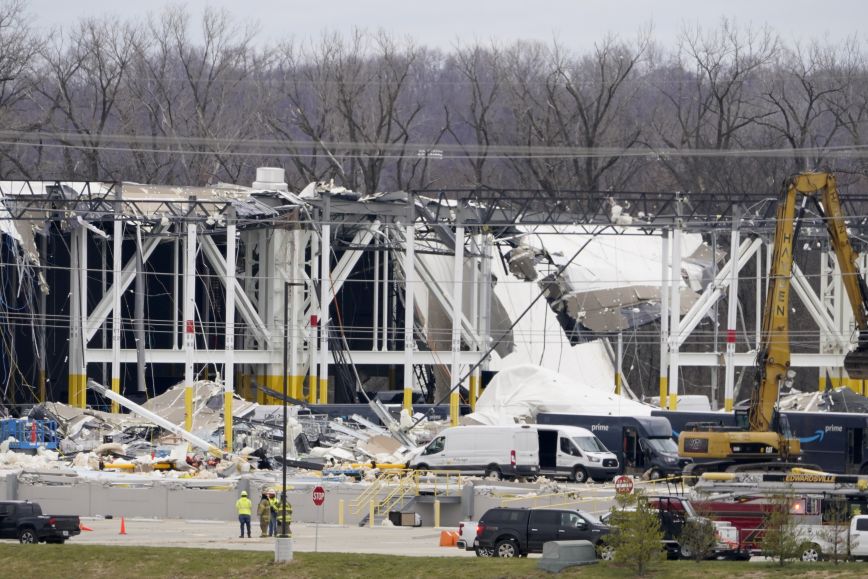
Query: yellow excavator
x=764, y=442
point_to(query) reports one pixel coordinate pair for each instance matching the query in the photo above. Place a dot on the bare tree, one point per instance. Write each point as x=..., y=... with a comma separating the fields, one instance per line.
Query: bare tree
x=576, y=103
x=712, y=101
x=214, y=108
x=850, y=104
x=481, y=73
x=353, y=92
x=82, y=80
x=18, y=50
x=799, y=93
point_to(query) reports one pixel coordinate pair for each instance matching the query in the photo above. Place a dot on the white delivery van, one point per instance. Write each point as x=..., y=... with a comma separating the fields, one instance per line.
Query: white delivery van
x=574, y=453
x=502, y=451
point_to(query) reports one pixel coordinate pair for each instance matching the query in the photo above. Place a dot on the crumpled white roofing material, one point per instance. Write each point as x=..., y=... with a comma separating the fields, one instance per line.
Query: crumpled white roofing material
x=525, y=391
x=612, y=261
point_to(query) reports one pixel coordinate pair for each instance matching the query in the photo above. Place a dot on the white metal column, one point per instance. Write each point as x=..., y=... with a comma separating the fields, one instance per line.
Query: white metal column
x=313, y=380
x=457, y=294
x=475, y=297
x=75, y=327
x=229, y=365
x=409, y=306
x=664, y=320
x=189, y=323
x=324, y=300
x=675, y=321
x=759, y=300
x=732, y=307
x=296, y=274
x=117, y=248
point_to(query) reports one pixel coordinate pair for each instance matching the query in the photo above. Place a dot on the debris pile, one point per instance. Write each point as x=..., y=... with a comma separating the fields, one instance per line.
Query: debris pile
x=92, y=441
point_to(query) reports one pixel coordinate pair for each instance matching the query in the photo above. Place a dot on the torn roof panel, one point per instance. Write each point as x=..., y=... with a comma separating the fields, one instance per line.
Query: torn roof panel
x=139, y=201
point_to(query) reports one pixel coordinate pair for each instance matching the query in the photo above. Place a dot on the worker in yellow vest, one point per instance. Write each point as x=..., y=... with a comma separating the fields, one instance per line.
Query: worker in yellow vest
x=244, y=508
x=284, y=514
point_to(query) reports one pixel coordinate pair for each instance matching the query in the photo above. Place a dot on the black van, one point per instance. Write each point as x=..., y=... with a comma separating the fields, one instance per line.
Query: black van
x=641, y=443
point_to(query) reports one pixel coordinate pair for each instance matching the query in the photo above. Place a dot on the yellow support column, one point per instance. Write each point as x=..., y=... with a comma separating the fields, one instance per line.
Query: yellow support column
x=617, y=383
x=72, y=387
x=454, y=409
x=260, y=393
x=341, y=512
x=188, y=409
x=408, y=400
x=116, y=388
x=371, y=514
x=436, y=514
x=673, y=402
x=474, y=390
x=227, y=420
x=312, y=383
x=77, y=392
x=275, y=384
x=324, y=391
x=296, y=387
x=664, y=391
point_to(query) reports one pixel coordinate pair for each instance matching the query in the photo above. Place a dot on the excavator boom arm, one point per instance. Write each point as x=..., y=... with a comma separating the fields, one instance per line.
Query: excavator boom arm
x=774, y=356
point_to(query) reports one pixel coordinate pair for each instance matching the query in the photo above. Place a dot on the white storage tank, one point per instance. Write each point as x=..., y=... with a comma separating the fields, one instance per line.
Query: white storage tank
x=271, y=179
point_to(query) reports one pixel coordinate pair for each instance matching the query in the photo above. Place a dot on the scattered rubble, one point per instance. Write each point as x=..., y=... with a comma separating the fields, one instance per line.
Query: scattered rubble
x=94, y=442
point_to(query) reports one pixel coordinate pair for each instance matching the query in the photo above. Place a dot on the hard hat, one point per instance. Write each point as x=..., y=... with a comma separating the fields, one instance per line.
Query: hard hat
x=243, y=493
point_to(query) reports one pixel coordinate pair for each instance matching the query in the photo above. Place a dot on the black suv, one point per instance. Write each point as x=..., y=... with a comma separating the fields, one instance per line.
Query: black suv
x=504, y=532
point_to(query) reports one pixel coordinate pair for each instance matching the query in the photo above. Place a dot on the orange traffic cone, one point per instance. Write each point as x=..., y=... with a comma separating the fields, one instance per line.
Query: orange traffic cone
x=448, y=538
x=123, y=527
x=84, y=527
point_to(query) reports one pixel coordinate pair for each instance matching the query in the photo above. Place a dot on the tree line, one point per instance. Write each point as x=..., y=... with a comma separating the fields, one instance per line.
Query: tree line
x=195, y=100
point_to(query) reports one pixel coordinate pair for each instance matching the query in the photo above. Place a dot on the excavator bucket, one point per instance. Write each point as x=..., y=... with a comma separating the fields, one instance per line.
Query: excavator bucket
x=856, y=363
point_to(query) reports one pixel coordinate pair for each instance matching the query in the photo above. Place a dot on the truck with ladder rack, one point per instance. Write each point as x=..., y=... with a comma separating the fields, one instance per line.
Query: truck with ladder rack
x=829, y=511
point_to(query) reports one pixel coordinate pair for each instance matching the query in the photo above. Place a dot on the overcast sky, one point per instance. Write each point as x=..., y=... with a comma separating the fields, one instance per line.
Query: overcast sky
x=441, y=23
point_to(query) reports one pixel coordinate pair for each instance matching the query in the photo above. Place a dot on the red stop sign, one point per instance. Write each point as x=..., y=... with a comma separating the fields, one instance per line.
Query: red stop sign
x=623, y=485
x=318, y=496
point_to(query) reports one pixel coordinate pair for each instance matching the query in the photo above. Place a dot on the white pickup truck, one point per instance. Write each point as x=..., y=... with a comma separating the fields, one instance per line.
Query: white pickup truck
x=466, y=537
x=818, y=541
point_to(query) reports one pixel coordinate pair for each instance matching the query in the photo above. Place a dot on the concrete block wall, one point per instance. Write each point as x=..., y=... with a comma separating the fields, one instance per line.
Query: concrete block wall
x=195, y=499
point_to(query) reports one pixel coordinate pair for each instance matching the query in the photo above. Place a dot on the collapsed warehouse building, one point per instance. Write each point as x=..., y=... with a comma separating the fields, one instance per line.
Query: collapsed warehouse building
x=403, y=297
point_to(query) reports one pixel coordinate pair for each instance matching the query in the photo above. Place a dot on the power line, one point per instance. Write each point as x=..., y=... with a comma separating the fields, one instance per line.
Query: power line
x=399, y=150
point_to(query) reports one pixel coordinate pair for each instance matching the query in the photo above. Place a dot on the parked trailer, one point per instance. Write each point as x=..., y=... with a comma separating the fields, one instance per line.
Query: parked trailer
x=641, y=443
x=835, y=441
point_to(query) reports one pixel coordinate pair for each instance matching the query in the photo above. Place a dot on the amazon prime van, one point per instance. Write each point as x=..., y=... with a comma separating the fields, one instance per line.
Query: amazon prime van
x=574, y=453
x=643, y=444
x=499, y=451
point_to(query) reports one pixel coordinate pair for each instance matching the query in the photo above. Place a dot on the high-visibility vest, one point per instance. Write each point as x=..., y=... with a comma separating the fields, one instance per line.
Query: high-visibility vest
x=263, y=509
x=284, y=511
x=243, y=506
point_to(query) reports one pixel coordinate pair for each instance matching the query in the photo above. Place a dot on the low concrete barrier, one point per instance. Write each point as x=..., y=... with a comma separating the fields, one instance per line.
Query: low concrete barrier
x=558, y=555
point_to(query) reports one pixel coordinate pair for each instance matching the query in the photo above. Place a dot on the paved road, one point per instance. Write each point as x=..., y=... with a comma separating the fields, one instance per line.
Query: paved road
x=219, y=535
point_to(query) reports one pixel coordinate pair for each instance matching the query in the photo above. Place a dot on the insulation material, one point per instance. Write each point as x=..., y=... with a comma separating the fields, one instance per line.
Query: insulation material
x=612, y=261
x=520, y=393
x=540, y=340
x=613, y=284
